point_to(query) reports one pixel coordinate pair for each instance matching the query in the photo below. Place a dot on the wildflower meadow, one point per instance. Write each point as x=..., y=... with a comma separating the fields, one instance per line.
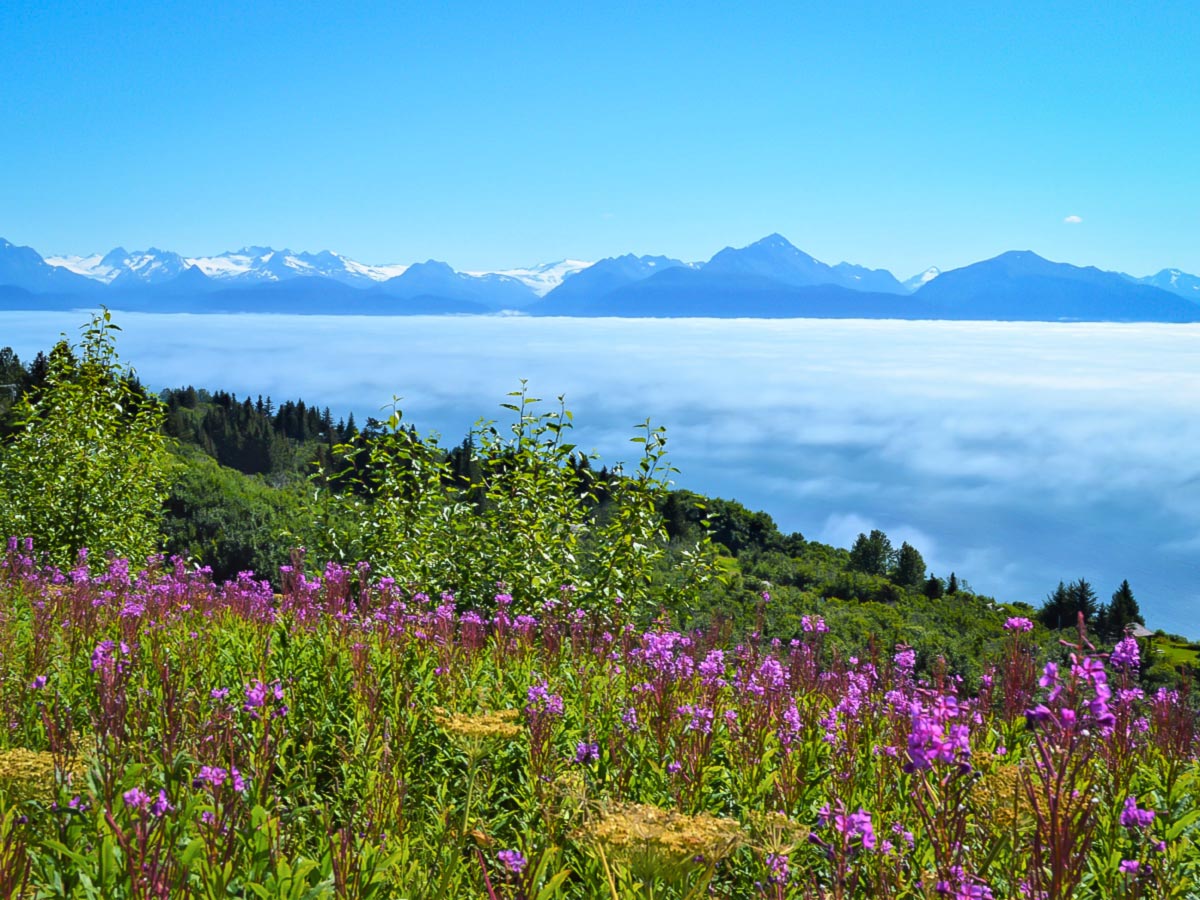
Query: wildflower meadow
x=167, y=736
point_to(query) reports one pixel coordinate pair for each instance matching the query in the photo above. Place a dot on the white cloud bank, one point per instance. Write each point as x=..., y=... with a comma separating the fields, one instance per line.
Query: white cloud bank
x=1073, y=220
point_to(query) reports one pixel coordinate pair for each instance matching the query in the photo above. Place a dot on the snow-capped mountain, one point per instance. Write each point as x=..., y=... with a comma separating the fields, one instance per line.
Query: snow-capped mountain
x=918, y=281
x=95, y=267
x=250, y=265
x=24, y=268
x=125, y=269
x=1176, y=281
x=544, y=278
x=436, y=279
x=769, y=278
x=259, y=264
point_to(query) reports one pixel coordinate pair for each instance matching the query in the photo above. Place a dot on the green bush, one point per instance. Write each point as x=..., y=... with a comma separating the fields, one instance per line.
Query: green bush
x=525, y=518
x=87, y=463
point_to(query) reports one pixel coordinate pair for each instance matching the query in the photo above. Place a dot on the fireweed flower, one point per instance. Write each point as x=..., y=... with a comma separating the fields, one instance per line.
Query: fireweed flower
x=1049, y=677
x=780, y=871
x=712, y=669
x=700, y=718
x=933, y=737
x=852, y=825
x=513, y=860
x=813, y=625
x=161, y=806
x=102, y=654
x=1125, y=655
x=215, y=777
x=1018, y=624
x=587, y=753
x=791, y=726
x=542, y=702
x=38, y=683
x=1134, y=818
x=136, y=798
x=259, y=695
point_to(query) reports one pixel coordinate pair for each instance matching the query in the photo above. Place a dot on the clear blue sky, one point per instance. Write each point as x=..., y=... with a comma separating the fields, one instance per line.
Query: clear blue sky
x=889, y=134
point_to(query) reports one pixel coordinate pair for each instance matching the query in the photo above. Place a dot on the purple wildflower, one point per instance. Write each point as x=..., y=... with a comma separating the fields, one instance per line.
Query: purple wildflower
x=777, y=864
x=136, y=798
x=161, y=806
x=541, y=701
x=1125, y=655
x=1134, y=818
x=513, y=860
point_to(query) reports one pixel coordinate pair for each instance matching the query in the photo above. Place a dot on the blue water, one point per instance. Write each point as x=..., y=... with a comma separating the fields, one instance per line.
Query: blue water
x=1015, y=454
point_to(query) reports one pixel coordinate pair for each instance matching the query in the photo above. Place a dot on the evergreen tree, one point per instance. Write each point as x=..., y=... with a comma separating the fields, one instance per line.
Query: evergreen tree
x=952, y=584
x=1082, y=599
x=1054, y=612
x=1122, y=612
x=935, y=589
x=909, y=570
x=872, y=554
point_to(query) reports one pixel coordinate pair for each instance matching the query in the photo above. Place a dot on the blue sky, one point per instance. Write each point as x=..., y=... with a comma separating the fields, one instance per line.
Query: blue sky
x=489, y=135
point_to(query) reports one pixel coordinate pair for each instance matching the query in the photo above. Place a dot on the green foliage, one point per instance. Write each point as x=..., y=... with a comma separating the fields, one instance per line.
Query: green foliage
x=228, y=521
x=86, y=464
x=524, y=515
x=255, y=438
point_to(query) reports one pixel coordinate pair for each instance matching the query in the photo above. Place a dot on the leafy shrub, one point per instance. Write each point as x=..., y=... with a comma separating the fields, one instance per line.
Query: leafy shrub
x=525, y=519
x=87, y=464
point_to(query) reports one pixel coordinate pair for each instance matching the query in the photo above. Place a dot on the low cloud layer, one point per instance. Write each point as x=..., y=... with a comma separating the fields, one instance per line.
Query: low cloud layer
x=1015, y=454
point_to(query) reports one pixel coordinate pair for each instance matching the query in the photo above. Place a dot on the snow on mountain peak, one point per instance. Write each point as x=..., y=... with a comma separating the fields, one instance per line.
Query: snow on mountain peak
x=918, y=281
x=543, y=278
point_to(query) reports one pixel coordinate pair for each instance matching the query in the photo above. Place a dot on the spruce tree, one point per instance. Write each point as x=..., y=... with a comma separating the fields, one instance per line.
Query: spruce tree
x=1123, y=611
x=1054, y=612
x=909, y=570
x=872, y=554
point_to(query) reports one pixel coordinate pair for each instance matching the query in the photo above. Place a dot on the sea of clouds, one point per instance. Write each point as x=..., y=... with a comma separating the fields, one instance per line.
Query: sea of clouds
x=1015, y=454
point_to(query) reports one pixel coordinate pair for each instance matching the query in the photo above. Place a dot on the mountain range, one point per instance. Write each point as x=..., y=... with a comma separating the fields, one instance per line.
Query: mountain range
x=769, y=278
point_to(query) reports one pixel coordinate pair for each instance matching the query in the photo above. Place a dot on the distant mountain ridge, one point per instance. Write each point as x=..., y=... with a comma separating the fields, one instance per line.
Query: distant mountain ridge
x=768, y=278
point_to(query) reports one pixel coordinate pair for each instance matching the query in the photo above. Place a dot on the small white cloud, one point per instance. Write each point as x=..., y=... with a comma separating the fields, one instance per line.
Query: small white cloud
x=1073, y=220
